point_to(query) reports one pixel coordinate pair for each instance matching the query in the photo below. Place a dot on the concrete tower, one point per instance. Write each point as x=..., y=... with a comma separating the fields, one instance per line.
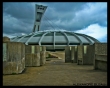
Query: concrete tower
x=39, y=11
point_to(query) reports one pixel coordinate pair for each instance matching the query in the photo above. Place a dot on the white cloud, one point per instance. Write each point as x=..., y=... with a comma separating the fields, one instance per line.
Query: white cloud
x=23, y=34
x=95, y=31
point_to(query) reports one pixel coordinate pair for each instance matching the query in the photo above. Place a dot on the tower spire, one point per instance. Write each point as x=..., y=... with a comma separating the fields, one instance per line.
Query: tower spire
x=39, y=12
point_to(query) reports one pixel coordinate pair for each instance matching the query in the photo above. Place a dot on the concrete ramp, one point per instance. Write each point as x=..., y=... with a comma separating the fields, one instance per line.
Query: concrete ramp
x=59, y=54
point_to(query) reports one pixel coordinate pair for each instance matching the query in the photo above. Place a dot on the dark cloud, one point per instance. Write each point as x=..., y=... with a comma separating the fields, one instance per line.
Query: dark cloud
x=75, y=14
x=19, y=10
x=64, y=10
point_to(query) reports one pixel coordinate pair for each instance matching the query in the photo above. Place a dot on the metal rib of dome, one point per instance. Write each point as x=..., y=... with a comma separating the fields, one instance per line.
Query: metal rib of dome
x=55, y=39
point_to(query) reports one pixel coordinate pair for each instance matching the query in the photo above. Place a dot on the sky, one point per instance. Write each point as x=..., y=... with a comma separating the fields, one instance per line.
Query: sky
x=88, y=18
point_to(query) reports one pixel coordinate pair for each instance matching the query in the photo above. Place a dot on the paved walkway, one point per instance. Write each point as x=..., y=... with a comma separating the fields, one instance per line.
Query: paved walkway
x=57, y=73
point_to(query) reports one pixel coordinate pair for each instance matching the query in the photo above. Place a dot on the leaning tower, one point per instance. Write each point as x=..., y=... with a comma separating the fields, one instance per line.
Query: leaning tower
x=39, y=12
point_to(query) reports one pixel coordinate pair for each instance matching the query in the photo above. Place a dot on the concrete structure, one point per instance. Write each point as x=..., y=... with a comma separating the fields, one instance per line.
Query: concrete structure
x=76, y=54
x=73, y=54
x=80, y=54
x=43, y=55
x=67, y=54
x=55, y=40
x=85, y=55
x=88, y=55
x=39, y=12
x=32, y=55
x=100, y=60
x=13, y=57
x=6, y=39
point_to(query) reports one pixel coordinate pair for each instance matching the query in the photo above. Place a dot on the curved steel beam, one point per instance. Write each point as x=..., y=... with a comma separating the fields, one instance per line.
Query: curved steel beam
x=42, y=37
x=30, y=38
x=14, y=38
x=21, y=38
x=66, y=37
x=95, y=40
x=81, y=43
x=87, y=39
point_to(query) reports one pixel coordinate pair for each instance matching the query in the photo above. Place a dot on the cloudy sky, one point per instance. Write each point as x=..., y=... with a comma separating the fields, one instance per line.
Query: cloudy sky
x=89, y=18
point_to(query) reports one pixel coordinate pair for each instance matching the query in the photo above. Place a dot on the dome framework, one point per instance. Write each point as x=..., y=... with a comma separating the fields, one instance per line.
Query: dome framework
x=55, y=39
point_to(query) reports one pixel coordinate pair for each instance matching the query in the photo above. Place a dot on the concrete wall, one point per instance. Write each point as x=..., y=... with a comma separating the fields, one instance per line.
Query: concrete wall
x=67, y=54
x=13, y=57
x=101, y=48
x=100, y=60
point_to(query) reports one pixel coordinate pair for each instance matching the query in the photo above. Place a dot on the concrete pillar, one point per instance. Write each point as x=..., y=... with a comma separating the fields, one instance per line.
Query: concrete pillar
x=7, y=67
x=88, y=55
x=13, y=57
x=28, y=60
x=73, y=58
x=85, y=54
x=80, y=53
x=67, y=54
x=36, y=59
x=76, y=54
x=28, y=57
x=23, y=55
x=85, y=59
x=43, y=55
x=100, y=59
x=6, y=39
x=37, y=55
x=32, y=55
